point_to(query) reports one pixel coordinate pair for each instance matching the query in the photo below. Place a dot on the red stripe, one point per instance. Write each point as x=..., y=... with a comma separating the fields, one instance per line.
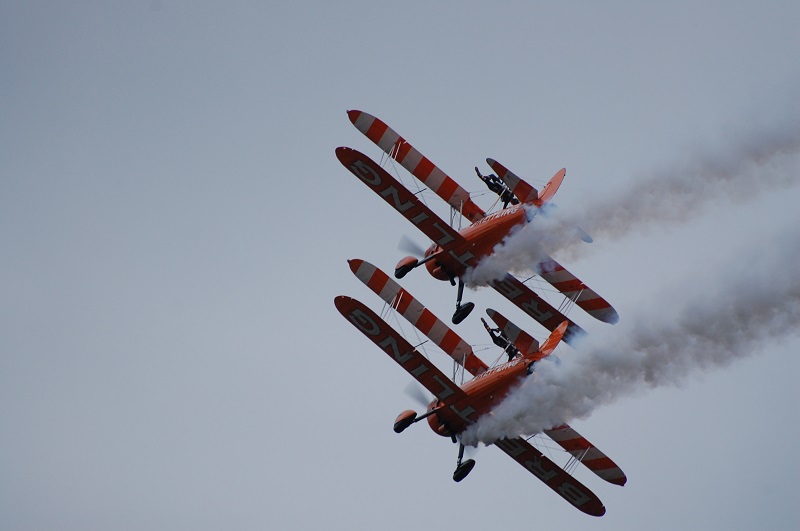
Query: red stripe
x=450, y=341
x=377, y=281
x=404, y=301
x=424, y=168
x=472, y=211
x=376, y=130
x=426, y=321
x=403, y=150
x=567, y=286
x=594, y=304
x=601, y=463
x=447, y=189
x=354, y=116
x=575, y=444
x=550, y=266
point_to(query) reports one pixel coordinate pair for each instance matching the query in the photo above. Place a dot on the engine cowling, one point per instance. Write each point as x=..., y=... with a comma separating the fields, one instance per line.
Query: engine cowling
x=437, y=426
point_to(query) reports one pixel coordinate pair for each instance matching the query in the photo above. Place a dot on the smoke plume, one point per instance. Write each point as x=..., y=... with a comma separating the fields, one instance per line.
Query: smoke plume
x=756, y=302
x=739, y=171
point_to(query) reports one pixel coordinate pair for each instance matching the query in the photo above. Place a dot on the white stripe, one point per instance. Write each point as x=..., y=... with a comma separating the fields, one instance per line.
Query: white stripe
x=437, y=332
x=435, y=179
x=388, y=140
x=389, y=292
x=411, y=160
x=414, y=311
x=363, y=122
x=365, y=272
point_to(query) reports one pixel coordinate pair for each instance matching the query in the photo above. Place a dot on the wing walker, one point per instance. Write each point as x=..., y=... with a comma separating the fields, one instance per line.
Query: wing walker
x=452, y=253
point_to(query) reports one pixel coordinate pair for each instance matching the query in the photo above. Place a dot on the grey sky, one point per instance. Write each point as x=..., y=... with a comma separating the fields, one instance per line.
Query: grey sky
x=174, y=226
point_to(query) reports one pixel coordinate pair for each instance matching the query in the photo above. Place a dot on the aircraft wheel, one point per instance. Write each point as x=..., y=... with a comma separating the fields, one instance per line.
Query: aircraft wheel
x=463, y=469
x=462, y=312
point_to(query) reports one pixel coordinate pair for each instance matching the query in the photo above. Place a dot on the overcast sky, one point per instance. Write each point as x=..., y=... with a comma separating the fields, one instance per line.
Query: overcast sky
x=174, y=226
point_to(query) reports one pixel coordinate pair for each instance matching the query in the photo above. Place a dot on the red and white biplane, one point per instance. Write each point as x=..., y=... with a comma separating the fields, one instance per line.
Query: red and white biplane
x=455, y=408
x=454, y=251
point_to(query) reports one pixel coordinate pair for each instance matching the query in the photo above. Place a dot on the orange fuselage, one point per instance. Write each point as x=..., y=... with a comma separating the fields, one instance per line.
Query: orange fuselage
x=484, y=392
x=481, y=239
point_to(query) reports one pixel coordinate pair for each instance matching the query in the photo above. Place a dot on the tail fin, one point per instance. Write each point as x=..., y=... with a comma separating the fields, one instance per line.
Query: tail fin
x=551, y=187
x=555, y=338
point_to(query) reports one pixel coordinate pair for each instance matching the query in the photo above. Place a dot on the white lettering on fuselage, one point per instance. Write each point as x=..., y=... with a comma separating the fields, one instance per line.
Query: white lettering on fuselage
x=504, y=366
x=497, y=215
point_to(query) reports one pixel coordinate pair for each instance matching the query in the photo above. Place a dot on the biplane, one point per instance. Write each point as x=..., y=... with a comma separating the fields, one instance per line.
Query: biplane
x=453, y=252
x=454, y=408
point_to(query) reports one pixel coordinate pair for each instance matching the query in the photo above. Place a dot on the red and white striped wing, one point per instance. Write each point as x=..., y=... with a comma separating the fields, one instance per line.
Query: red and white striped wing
x=587, y=453
x=415, y=162
x=573, y=288
x=526, y=193
x=419, y=316
x=552, y=475
x=532, y=304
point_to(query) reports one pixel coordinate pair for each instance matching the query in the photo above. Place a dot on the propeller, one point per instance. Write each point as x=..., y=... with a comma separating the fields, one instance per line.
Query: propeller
x=415, y=391
x=411, y=247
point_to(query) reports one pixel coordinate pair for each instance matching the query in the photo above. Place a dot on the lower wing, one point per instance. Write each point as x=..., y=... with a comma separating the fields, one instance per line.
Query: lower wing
x=552, y=475
x=587, y=453
x=529, y=302
x=574, y=289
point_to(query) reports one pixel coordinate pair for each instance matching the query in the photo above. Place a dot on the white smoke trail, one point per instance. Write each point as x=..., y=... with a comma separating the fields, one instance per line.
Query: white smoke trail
x=765, y=160
x=732, y=317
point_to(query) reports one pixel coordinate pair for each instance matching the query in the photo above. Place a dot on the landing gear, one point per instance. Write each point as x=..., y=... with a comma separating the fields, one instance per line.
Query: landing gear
x=462, y=311
x=462, y=469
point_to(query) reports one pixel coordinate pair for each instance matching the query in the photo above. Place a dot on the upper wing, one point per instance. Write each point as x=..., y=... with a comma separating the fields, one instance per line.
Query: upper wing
x=552, y=475
x=423, y=169
x=526, y=193
x=398, y=196
x=587, y=453
x=419, y=316
x=529, y=302
x=573, y=288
